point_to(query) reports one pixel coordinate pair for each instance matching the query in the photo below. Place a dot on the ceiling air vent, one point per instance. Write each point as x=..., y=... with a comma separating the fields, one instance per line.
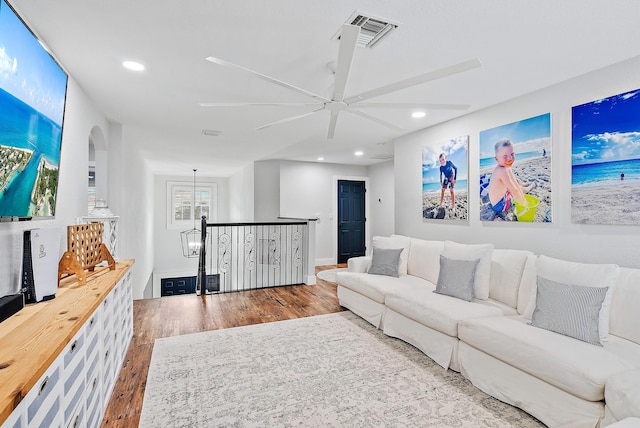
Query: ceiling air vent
x=383, y=153
x=372, y=29
x=211, y=132
x=382, y=156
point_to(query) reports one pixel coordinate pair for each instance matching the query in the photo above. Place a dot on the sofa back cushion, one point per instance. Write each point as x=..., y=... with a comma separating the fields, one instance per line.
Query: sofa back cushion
x=395, y=242
x=457, y=251
x=424, y=259
x=625, y=303
x=507, y=267
x=527, y=290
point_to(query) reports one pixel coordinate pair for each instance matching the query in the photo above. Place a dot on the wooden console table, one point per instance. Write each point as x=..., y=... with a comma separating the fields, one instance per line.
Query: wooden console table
x=59, y=359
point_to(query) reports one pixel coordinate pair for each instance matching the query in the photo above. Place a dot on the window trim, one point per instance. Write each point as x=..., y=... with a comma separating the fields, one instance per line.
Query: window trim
x=186, y=224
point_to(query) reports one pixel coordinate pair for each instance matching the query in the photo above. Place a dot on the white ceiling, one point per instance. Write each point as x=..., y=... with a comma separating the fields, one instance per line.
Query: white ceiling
x=523, y=46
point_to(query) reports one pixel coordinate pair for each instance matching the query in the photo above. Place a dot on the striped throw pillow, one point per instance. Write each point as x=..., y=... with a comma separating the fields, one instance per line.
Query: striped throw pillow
x=571, y=310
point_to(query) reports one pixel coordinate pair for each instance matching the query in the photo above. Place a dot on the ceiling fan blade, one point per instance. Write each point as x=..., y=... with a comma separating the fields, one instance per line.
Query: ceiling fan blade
x=425, y=106
x=257, y=104
x=332, y=124
x=265, y=77
x=348, y=39
x=374, y=119
x=417, y=80
x=288, y=119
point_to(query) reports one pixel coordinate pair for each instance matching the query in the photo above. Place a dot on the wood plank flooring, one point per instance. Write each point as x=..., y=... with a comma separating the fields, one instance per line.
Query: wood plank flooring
x=176, y=315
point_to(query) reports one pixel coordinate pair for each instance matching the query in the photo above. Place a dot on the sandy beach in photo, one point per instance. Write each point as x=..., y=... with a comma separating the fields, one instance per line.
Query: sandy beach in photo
x=616, y=204
x=431, y=208
x=533, y=170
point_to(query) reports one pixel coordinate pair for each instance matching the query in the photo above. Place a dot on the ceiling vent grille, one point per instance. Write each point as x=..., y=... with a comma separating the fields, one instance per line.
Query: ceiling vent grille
x=382, y=156
x=372, y=29
x=211, y=132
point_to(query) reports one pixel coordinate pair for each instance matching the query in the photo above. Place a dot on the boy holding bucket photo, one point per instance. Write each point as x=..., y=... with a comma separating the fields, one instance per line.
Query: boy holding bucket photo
x=504, y=187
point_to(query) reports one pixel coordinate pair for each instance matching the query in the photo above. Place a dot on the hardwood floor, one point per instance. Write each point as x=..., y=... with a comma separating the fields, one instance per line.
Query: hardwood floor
x=176, y=315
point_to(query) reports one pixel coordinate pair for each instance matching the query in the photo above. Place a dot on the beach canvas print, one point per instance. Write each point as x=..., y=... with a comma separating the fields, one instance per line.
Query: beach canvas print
x=515, y=171
x=605, y=165
x=445, y=190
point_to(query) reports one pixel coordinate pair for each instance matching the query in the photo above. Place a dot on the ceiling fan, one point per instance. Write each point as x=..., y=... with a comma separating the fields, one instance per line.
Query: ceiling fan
x=339, y=103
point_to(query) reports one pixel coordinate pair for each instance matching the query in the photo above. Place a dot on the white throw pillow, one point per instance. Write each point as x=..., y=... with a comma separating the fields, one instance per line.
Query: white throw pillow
x=527, y=291
x=584, y=274
x=394, y=242
x=507, y=267
x=424, y=259
x=455, y=250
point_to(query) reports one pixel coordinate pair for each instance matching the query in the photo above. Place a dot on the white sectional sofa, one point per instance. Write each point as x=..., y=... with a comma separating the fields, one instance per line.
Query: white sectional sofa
x=489, y=337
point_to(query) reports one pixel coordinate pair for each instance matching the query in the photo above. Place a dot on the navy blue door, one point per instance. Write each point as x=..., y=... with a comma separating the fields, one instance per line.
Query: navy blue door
x=351, y=220
x=176, y=286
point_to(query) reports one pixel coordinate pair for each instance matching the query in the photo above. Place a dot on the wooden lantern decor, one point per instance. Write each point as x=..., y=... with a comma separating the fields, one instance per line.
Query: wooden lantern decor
x=85, y=250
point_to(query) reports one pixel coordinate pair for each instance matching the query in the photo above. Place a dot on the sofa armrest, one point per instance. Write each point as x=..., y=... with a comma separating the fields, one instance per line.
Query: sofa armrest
x=359, y=264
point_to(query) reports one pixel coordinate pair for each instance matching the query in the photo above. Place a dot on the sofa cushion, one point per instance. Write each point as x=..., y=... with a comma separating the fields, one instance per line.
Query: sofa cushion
x=526, y=292
x=625, y=316
x=576, y=367
x=394, y=242
x=456, y=278
x=439, y=312
x=384, y=261
x=584, y=274
x=507, y=267
x=424, y=259
x=483, y=252
x=568, y=309
x=622, y=394
x=375, y=287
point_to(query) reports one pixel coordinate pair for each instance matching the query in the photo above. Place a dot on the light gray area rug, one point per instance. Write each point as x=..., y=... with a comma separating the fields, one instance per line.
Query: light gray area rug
x=329, y=274
x=331, y=370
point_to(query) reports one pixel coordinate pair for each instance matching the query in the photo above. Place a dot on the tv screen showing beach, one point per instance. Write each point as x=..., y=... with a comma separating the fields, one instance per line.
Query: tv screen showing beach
x=32, y=99
x=605, y=160
x=515, y=171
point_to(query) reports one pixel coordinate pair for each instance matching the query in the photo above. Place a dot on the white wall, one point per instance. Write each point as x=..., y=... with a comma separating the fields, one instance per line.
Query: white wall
x=381, y=179
x=562, y=239
x=308, y=190
x=266, y=177
x=168, y=256
x=131, y=197
x=241, y=195
x=71, y=203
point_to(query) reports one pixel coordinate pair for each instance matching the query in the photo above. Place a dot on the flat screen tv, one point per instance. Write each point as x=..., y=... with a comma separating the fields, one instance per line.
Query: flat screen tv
x=33, y=89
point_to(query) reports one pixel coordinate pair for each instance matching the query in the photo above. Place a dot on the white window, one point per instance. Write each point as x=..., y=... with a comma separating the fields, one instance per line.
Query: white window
x=186, y=207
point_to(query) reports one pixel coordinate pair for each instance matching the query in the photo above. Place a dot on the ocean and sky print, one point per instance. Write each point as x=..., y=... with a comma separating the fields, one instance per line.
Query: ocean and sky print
x=32, y=99
x=605, y=160
x=530, y=145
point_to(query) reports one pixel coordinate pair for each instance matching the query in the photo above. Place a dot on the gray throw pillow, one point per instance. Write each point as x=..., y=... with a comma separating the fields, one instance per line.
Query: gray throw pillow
x=571, y=310
x=385, y=261
x=456, y=278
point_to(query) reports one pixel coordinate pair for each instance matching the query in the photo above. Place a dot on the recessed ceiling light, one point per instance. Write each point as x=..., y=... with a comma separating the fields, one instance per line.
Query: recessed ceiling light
x=320, y=158
x=359, y=153
x=132, y=65
x=418, y=114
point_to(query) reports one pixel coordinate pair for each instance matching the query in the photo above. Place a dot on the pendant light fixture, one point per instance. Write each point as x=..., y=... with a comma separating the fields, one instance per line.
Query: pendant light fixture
x=191, y=238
